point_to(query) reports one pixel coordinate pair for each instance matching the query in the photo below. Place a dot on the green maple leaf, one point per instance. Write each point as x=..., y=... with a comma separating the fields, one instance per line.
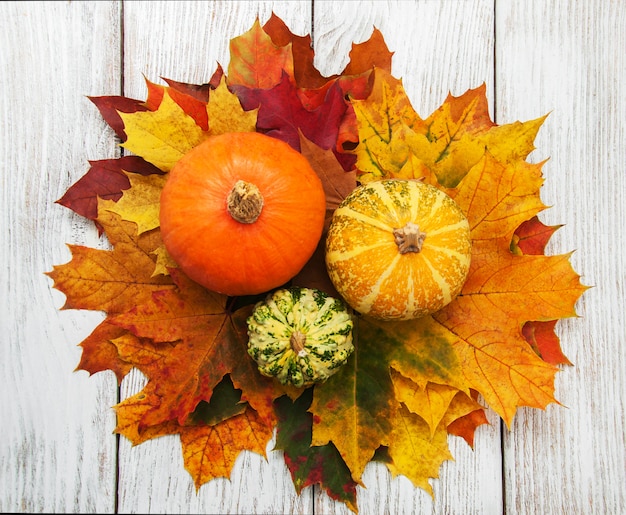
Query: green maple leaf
x=353, y=408
x=357, y=409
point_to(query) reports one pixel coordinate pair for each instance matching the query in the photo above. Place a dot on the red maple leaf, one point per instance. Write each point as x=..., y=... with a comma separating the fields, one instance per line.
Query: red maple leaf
x=282, y=115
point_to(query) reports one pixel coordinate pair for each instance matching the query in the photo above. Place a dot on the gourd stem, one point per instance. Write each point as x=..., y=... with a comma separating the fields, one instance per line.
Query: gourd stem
x=245, y=202
x=297, y=341
x=409, y=238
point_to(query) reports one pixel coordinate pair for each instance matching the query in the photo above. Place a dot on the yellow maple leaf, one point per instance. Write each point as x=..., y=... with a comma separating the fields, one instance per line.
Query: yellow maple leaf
x=430, y=402
x=448, y=143
x=414, y=168
x=415, y=450
x=141, y=203
x=163, y=261
x=226, y=114
x=356, y=408
x=384, y=121
x=162, y=136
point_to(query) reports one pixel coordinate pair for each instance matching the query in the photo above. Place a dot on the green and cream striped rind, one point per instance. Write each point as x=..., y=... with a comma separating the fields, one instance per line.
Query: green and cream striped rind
x=324, y=322
x=365, y=265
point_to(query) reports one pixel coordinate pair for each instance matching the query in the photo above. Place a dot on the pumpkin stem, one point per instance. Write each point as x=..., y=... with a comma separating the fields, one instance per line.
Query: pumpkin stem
x=409, y=238
x=245, y=202
x=297, y=342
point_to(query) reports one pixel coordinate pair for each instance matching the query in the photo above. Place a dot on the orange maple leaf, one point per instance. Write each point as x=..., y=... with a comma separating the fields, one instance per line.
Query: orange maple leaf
x=188, y=343
x=99, y=353
x=482, y=167
x=211, y=451
x=256, y=62
x=111, y=280
x=464, y=416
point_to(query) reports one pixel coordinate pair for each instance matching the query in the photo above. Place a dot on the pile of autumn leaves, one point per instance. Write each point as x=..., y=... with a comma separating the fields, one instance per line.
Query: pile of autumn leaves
x=408, y=385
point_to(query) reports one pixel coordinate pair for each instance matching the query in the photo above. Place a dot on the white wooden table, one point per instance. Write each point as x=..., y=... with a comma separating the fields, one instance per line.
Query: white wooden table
x=57, y=449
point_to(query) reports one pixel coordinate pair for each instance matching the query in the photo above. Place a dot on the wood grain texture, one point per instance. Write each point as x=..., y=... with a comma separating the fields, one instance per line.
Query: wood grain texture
x=57, y=451
x=571, y=63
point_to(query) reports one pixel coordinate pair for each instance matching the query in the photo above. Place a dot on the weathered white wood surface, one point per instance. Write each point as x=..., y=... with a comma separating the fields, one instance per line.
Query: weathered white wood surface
x=57, y=450
x=571, y=62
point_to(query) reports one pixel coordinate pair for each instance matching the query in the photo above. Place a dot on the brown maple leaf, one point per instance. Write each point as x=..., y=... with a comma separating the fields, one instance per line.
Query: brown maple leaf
x=305, y=74
x=189, y=342
x=110, y=280
x=110, y=108
x=370, y=54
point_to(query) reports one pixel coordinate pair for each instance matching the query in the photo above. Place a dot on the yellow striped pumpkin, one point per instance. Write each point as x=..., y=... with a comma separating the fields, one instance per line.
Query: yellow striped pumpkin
x=398, y=249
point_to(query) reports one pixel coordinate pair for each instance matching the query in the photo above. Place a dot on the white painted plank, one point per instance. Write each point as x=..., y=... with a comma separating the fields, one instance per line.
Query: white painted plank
x=57, y=452
x=568, y=58
x=439, y=47
x=184, y=41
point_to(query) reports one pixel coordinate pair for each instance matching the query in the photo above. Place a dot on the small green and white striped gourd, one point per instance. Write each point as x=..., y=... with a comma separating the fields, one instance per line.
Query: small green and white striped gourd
x=398, y=249
x=300, y=336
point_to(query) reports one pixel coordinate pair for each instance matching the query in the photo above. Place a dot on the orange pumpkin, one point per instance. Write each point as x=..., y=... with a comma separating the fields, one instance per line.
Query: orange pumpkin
x=398, y=249
x=242, y=213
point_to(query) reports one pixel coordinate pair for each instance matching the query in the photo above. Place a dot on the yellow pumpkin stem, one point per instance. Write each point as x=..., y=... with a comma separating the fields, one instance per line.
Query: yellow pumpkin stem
x=245, y=202
x=409, y=238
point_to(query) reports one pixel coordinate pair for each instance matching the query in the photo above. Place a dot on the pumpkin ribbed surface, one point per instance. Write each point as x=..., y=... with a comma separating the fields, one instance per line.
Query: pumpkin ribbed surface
x=398, y=249
x=300, y=336
x=242, y=213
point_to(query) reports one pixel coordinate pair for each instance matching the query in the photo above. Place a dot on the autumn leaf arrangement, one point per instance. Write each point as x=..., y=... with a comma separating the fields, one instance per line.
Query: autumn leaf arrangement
x=408, y=384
